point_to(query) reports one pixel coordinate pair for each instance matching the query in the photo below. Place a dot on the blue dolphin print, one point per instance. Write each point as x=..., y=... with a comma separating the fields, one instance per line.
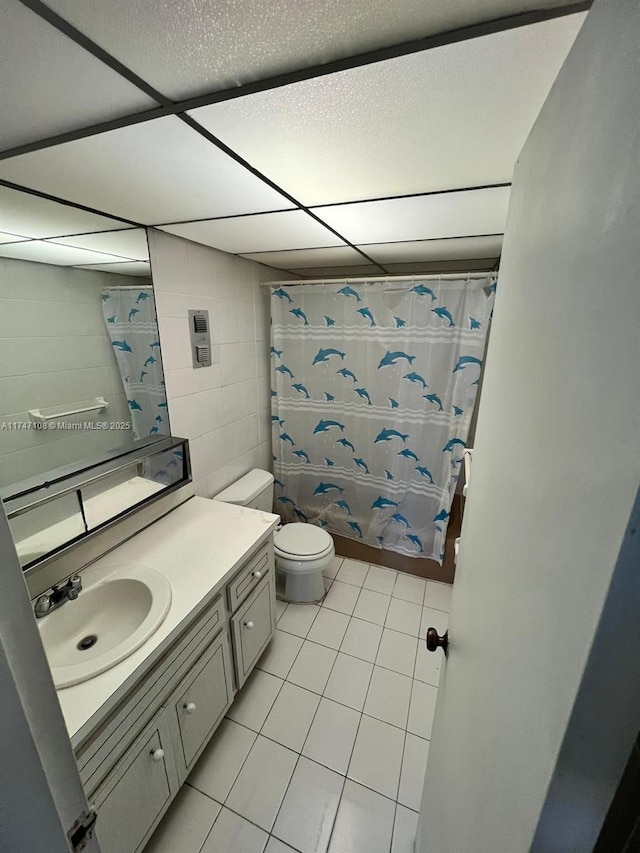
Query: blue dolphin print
x=362, y=392
x=302, y=389
x=433, y=398
x=493, y=287
x=399, y=322
x=382, y=503
x=155, y=345
x=284, y=436
x=380, y=539
x=282, y=368
x=366, y=313
x=323, y=488
x=299, y=313
x=355, y=527
x=285, y=500
x=400, y=519
x=347, y=373
x=324, y=355
x=160, y=419
x=142, y=296
x=329, y=320
x=457, y=411
x=273, y=393
x=473, y=323
x=388, y=474
x=134, y=405
x=325, y=426
x=345, y=443
x=162, y=405
x=422, y=290
x=424, y=472
x=299, y=514
x=416, y=541
x=322, y=522
x=153, y=431
x=143, y=373
x=151, y=360
x=276, y=420
x=133, y=313
x=444, y=314
x=408, y=454
x=349, y=291
x=328, y=397
x=105, y=297
x=343, y=505
x=391, y=358
x=123, y=346
x=329, y=462
x=464, y=360
x=438, y=528
x=451, y=444
x=362, y=464
x=443, y=515
x=277, y=482
x=276, y=352
x=282, y=294
x=301, y=455
x=388, y=434
x=394, y=403
x=415, y=377
x=112, y=318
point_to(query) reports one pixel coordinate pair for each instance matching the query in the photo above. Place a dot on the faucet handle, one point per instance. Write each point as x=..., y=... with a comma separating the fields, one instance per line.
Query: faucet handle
x=74, y=587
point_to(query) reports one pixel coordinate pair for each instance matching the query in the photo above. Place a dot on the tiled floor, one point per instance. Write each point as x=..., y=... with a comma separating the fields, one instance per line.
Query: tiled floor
x=324, y=749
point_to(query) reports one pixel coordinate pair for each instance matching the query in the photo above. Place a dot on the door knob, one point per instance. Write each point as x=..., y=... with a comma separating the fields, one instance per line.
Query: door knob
x=248, y=625
x=435, y=641
x=189, y=707
x=157, y=754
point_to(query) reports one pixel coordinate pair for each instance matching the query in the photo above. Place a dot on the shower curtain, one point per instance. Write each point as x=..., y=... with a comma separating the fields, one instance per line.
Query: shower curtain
x=373, y=388
x=130, y=318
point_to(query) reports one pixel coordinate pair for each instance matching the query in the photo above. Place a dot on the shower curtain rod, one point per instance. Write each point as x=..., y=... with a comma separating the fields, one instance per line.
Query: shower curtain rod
x=386, y=278
x=128, y=287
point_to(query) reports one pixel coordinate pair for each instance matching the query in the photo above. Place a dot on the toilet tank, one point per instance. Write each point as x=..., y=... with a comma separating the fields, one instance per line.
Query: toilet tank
x=254, y=490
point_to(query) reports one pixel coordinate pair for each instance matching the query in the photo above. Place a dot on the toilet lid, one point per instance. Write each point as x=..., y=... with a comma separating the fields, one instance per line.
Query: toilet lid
x=303, y=540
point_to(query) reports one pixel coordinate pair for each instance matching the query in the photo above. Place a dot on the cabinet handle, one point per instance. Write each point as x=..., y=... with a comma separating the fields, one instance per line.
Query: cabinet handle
x=257, y=574
x=248, y=625
x=157, y=754
x=189, y=707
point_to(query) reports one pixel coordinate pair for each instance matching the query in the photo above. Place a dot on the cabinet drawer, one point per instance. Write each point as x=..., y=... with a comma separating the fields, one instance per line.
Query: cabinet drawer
x=253, y=626
x=202, y=703
x=247, y=578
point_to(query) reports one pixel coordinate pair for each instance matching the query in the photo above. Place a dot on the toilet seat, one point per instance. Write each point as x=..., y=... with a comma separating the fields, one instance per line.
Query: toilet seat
x=302, y=542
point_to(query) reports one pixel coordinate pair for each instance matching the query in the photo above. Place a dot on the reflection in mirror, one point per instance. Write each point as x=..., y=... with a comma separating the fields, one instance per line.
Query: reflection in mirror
x=80, y=362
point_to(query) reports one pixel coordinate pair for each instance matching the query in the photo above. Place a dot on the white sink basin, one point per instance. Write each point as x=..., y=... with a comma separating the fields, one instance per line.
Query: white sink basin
x=111, y=618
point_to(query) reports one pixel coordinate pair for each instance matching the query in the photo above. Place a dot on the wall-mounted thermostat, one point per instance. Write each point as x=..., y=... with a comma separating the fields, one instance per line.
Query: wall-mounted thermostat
x=200, y=338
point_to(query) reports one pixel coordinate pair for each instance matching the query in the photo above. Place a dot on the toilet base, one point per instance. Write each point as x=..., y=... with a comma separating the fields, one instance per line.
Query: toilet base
x=300, y=588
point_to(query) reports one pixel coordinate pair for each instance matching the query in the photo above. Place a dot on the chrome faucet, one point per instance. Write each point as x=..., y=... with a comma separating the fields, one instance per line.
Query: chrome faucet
x=57, y=596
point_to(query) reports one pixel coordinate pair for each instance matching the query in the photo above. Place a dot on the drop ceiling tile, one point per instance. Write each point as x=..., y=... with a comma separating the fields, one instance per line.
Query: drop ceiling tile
x=24, y=213
x=421, y=217
x=156, y=171
x=435, y=250
x=11, y=238
x=291, y=229
x=131, y=243
x=51, y=85
x=301, y=258
x=434, y=267
x=454, y=116
x=51, y=253
x=339, y=271
x=138, y=268
x=184, y=47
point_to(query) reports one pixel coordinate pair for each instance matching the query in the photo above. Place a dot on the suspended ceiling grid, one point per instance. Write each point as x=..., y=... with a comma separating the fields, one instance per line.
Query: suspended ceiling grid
x=320, y=137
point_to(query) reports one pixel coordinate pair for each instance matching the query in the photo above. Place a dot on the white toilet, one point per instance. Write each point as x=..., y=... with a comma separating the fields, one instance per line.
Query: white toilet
x=302, y=551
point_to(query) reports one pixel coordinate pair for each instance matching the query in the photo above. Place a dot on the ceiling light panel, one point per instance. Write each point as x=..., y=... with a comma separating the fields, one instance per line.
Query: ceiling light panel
x=156, y=171
x=51, y=85
x=450, y=117
x=292, y=229
x=435, y=250
x=138, y=268
x=456, y=214
x=44, y=252
x=128, y=244
x=187, y=47
x=300, y=258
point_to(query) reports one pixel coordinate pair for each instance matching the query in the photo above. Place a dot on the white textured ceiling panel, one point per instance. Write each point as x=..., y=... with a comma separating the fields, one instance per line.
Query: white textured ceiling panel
x=339, y=271
x=138, y=268
x=447, y=118
x=434, y=267
x=23, y=213
x=158, y=171
x=435, y=250
x=459, y=214
x=51, y=85
x=187, y=47
x=292, y=229
x=128, y=244
x=11, y=238
x=300, y=258
x=51, y=253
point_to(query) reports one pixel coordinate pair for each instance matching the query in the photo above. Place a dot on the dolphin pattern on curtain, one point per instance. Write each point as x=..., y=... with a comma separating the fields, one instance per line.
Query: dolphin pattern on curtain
x=373, y=389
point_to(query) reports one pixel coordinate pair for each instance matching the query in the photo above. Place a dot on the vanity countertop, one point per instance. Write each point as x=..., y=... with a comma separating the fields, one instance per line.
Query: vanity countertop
x=197, y=547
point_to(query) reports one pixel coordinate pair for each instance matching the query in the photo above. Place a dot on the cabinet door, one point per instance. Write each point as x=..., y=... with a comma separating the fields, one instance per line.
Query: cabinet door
x=253, y=626
x=201, y=705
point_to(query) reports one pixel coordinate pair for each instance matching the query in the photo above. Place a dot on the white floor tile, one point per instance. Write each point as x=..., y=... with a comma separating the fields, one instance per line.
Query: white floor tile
x=428, y=665
x=342, y=597
x=261, y=785
x=280, y=654
x=362, y=640
x=186, y=824
x=349, y=681
x=388, y=697
x=421, y=709
x=380, y=580
x=397, y=652
x=298, y=618
x=409, y=588
x=254, y=701
x=312, y=667
x=402, y=616
x=332, y=570
x=281, y=606
x=332, y=735
x=306, y=818
x=372, y=606
x=275, y=846
x=414, y=765
x=432, y=618
x=290, y=718
x=218, y=766
x=404, y=831
x=329, y=628
x=353, y=572
x=438, y=595
x=364, y=823
x=377, y=757
x=231, y=832
x=327, y=583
